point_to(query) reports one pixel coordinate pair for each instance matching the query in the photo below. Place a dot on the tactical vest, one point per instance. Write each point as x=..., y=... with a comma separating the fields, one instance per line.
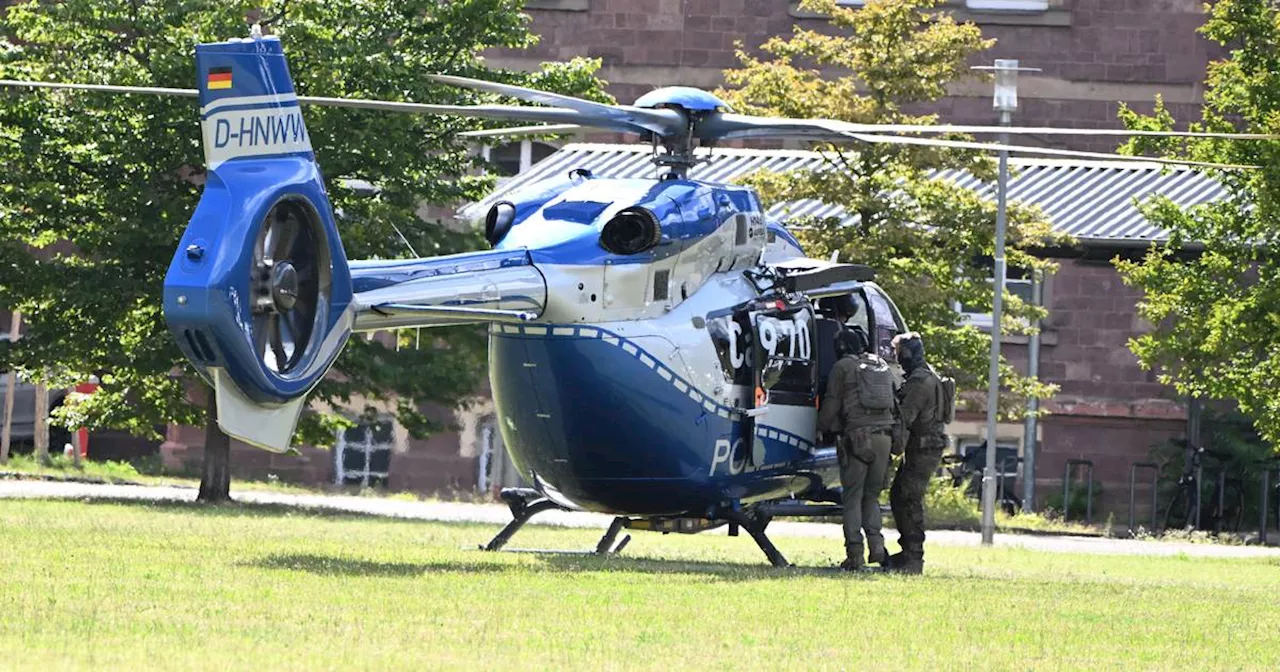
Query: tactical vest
x=875, y=383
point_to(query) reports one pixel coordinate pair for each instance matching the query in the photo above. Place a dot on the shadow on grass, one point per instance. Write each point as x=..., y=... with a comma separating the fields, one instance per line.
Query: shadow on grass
x=328, y=565
x=550, y=561
x=254, y=509
x=558, y=560
x=722, y=571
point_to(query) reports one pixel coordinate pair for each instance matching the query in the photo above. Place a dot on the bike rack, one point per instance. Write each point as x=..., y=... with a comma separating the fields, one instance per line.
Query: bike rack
x=1133, y=494
x=1003, y=468
x=1066, y=489
x=1222, y=502
x=1264, y=504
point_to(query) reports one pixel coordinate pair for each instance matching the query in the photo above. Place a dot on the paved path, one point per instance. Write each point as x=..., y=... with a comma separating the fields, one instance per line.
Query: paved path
x=498, y=515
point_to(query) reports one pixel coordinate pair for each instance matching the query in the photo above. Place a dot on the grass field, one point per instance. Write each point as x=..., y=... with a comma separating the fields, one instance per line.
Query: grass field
x=133, y=586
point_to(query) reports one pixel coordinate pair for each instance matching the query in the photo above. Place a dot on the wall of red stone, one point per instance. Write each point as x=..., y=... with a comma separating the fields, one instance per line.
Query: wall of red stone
x=1093, y=53
x=1108, y=408
x=435, y=465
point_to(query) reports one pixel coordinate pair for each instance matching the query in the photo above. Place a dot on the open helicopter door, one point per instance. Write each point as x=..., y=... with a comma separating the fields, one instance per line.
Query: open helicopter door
x=783, y=376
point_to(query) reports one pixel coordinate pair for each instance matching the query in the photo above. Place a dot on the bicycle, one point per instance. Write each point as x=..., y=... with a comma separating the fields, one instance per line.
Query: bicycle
x=966, y=471
x=1186, y=509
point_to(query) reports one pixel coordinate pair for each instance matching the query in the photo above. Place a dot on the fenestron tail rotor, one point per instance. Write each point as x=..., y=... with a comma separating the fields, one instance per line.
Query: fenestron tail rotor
x=290, y=281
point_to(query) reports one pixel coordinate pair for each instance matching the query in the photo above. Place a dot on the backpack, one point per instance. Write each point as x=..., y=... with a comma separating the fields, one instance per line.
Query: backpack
x=875, y=383
x=947, y=402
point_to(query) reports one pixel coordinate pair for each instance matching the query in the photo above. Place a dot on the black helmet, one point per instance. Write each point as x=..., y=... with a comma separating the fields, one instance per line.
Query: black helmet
x=851, y=341
x=910, y=351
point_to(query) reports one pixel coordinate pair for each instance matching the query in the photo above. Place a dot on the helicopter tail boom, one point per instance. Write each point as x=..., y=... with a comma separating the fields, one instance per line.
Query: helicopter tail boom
x=489, y=286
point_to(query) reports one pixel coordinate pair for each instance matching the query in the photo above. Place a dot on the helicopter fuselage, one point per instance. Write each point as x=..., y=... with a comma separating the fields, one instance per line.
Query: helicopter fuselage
x=636, y=391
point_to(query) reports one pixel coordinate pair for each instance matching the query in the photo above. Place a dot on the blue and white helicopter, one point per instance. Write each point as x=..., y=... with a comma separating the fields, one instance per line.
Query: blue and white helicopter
x=656, y=348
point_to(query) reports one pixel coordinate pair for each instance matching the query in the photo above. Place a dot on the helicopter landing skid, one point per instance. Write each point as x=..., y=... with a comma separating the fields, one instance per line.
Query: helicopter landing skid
x=525, y=504
x=755, y=525
x=756, y=519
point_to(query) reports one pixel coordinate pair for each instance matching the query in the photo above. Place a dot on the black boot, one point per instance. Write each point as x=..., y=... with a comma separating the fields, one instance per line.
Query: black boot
x=877, y=555
x=853, y=558
x=904, y=563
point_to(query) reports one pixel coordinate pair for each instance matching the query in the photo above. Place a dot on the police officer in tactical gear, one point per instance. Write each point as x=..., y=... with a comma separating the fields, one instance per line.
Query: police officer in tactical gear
x=859, y=405
x=923, y=398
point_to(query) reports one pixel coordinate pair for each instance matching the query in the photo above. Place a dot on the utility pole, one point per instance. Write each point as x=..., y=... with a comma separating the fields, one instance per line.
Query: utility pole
x=1029, y=445
x=1005, y=102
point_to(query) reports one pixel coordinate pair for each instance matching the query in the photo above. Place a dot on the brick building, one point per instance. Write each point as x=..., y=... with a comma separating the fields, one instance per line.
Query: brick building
x=1093, y=53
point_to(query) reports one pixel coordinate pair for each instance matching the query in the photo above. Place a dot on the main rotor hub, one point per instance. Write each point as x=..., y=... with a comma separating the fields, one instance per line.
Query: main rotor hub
x=284, y=285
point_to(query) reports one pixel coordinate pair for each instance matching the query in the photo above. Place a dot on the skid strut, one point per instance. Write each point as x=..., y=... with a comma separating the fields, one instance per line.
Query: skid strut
x=755, y=525
x=526, y=504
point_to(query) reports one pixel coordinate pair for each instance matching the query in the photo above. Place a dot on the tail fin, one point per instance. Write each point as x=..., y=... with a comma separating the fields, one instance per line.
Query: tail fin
x=258, y=294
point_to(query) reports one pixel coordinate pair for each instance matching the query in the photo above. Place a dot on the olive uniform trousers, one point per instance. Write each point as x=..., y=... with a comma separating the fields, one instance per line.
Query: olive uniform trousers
x=920, y=460
x=864, y=460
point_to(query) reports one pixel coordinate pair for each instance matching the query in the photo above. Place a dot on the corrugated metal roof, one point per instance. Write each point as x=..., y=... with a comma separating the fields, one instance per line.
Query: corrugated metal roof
x=1092, y=200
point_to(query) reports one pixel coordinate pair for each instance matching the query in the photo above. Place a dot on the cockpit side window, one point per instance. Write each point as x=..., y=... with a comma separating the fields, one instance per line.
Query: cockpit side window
x=850, y=310
x=887, y=322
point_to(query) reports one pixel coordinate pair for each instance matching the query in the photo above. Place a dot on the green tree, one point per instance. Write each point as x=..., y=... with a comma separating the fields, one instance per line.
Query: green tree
x=98, y=187
x=1217, y=313
x=929, y=241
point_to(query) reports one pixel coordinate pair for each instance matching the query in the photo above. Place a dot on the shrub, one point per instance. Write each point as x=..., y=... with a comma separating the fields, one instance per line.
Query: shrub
x=949, y=506
x=1079, y=499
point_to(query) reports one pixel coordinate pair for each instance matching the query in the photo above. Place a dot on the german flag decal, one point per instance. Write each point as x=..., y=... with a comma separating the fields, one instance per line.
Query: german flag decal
x=219, y=78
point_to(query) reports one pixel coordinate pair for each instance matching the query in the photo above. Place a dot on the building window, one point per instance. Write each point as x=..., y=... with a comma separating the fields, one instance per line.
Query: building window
x=513, y=158
x=362, y=455
x=1009, y=5
x=980, y=317
x=1007, y=464
x=986, y=5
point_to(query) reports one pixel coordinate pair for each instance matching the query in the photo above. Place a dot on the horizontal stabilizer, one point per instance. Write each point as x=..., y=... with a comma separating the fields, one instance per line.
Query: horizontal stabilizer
x=453, y=312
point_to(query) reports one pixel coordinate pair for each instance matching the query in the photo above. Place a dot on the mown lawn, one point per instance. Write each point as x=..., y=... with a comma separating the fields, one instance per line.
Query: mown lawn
x=133, y=586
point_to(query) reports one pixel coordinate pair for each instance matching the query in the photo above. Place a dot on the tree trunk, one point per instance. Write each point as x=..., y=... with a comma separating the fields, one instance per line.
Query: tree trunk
x=10, y=384
x=75, y=447
x=215, y=482
x=41, y=439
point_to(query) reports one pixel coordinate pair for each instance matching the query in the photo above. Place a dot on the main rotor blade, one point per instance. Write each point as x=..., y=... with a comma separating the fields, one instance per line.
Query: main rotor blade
x=1023, y=149
x=550, y=115
x=732, y=126
x=737, y=126
x=662, y=122
x=1036, y=130
x=521, y=130
x=720, y=126
x=108, y=88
